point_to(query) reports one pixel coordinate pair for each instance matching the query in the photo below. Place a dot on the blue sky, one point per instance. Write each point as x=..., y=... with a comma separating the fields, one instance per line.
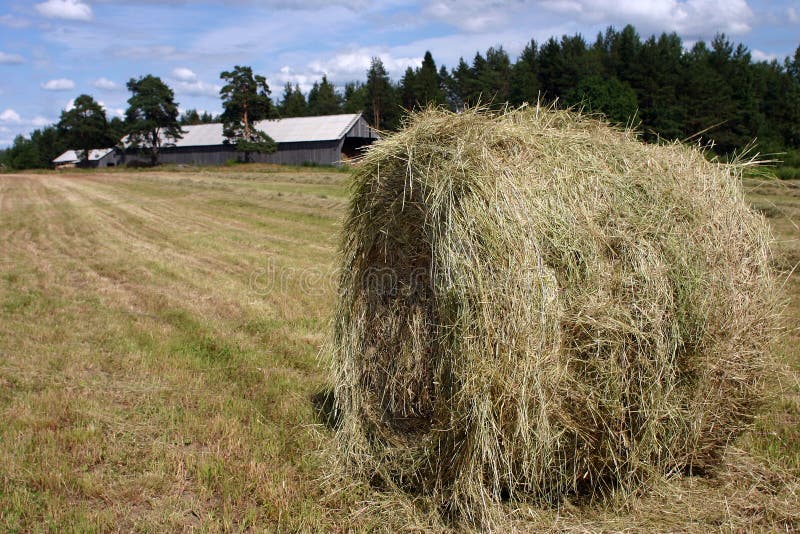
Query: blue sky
x=53, y=50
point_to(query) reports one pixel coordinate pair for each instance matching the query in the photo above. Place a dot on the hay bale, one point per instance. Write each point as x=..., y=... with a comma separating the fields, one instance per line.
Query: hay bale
x=534, y=304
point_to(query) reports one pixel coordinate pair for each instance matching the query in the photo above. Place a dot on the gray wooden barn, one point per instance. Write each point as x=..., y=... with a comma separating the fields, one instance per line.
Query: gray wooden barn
x=323, y=140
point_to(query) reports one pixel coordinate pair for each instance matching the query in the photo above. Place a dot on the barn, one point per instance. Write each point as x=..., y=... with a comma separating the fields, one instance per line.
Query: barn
x=322, y=140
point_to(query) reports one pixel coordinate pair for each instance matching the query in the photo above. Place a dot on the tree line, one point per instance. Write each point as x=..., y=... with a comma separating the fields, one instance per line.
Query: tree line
x=712, y=90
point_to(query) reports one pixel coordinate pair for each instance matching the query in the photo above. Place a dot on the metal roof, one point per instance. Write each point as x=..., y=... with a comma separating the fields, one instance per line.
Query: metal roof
x=291, y=130
x=298, y=129
x=71, y=156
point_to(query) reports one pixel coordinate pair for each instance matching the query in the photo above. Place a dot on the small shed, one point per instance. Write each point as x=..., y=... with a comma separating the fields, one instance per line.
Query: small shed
x=98, y=157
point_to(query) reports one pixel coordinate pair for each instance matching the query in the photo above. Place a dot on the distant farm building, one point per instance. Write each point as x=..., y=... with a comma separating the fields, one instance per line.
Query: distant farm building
x=99, y=157
x=324, y=140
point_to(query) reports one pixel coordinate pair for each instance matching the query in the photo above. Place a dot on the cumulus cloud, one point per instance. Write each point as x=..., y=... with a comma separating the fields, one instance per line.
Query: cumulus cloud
x=65, y=9
x=117, y=112
x=59, y=84
x=183, y=74
x=302, y=79
x=10, y=59
x=10, y=116
x=105, y=84
x=197, y=88
x=687, y=17
x=469, y=15
x=357, y=61
x=759, y=55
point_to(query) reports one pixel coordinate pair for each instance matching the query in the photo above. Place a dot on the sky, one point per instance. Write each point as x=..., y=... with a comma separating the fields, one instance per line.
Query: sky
x=54, y=50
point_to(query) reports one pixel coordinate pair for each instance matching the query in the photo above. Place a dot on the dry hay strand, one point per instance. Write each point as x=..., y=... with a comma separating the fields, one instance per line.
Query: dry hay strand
x=534, y=305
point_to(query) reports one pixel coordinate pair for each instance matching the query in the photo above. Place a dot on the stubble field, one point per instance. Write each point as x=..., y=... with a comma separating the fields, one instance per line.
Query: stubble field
x=159, y=368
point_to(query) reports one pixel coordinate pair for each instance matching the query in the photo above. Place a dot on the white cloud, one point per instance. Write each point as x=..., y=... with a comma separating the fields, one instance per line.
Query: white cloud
x=10, y=59
x=286, y=74
x=12, y=124
x=118, y=112
x=59, y=84
x=105, y=84
x=185, y=75
x=759, y=55
x=690, y=18
x=469, y=15
x=10, y=21
x=197, y=88
x=357, y=61
x=792, y=16
x=10, y=116
x=65, y=9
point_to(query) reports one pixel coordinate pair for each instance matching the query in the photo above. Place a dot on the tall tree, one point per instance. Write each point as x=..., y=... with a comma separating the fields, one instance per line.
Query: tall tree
x=22, y=154
x=525, y=76
x=323, y=99
x=152, y=115
x=380, y=105
x=85, y=127
x=293, y=102
x=662, y=74
x=355, y=97
x=464, y=85
x=706, y=97
x=117, y=130
x=494, y=77
x=51, y=143
x=190, y=117
x=408, y=89
x=449, y=91
x=428, y=85
x=245, y=100
x=615, y=99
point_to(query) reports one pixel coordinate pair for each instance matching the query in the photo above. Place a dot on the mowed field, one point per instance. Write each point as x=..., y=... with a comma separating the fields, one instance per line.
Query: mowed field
x=160, y=366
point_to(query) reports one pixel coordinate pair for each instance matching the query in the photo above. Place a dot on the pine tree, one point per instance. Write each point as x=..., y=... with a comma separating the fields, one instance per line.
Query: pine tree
x=427, y=83
x=380, y=105
x=355, y=97
x=245, y=100
x=408, y=90
x=84, y=127
x=448, y=87
x=323, y=99
x=661, y=69
x=189, y=117
x=152, y=115
x=525, y=76
x=293, y=102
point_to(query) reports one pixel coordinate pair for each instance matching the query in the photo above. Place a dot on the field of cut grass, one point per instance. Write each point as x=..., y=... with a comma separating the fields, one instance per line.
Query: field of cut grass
x=159, y=371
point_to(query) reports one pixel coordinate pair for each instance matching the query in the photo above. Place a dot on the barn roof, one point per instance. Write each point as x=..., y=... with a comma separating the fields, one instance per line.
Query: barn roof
x=71, y=156
x=291, y=130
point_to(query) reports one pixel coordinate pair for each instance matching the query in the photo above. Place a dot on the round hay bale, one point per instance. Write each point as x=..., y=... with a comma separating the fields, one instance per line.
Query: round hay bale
x=535, y=304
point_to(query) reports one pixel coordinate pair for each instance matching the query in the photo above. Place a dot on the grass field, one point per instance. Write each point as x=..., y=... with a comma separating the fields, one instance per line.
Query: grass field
x=159, y=339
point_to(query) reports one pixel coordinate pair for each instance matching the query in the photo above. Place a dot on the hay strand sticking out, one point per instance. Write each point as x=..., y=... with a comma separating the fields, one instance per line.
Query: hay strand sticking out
x=534, y=304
